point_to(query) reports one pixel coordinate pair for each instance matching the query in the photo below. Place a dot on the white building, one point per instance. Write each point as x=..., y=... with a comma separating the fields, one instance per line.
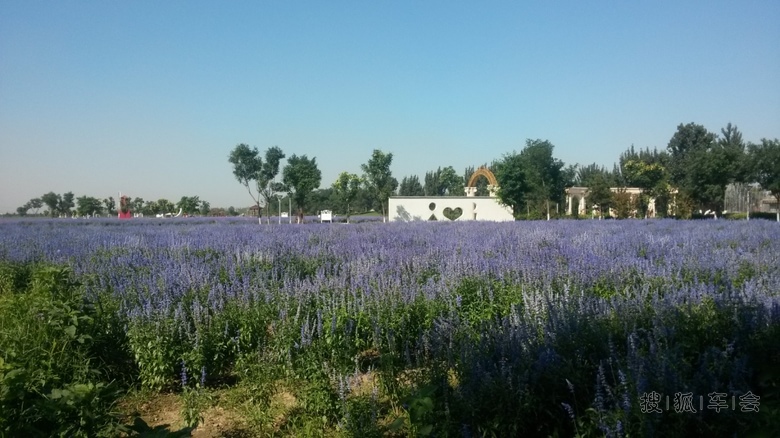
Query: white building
x=579, y=196
x=454, y=208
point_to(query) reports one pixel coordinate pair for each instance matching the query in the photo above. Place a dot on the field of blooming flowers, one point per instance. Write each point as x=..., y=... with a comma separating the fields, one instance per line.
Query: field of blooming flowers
x=563, y=328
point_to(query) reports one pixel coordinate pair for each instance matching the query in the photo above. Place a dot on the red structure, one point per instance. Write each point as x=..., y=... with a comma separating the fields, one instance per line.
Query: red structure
x=124, y=208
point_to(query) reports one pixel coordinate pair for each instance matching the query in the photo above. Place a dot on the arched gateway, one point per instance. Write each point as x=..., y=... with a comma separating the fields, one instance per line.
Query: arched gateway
x=471, y=188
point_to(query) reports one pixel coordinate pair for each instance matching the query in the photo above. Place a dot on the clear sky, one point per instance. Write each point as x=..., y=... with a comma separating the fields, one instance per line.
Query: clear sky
x=149, y=97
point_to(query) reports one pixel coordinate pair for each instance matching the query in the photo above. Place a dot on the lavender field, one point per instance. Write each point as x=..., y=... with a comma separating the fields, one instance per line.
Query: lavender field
x=563, y=328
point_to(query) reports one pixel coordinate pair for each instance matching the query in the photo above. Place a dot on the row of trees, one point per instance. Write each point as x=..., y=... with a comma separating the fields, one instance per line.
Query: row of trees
x=67, y=205
x=301, y=177
x=693, y=170
x=696, y=163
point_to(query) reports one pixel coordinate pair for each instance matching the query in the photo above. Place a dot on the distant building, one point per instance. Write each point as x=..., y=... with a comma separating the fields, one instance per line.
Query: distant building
x=579, y=195
x=768, y=204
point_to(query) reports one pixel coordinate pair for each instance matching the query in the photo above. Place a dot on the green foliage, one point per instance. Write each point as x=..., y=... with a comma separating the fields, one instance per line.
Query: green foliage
x=347, y=187
x=764, y=167
x=66, y=204
x=48, y=383
x=701, y=165
x=301, y=175
x=410, y=186
x=247, y=166
x=418, y=419
x=266, y=184
x=155, y=353
x=52, y=201
x=532, y=179
x=440, y=360
x=87, y=205
x=443, y=182
x=512, y=183
x=599, y=195
x=110, y=205
x=379, y=179
x=544, y=173
x=165, y=206
x=586, y=175
x=624, y=204
x=143, y=429
x=189, y=205
x=192, y=406
x=14, y=277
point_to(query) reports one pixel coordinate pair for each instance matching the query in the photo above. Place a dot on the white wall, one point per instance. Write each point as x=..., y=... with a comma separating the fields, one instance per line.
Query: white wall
x=410, y=208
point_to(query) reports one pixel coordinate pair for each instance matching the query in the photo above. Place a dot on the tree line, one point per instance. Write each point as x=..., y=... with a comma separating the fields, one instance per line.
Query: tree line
x=67, y=205
x=692, y=172
x=301, y=177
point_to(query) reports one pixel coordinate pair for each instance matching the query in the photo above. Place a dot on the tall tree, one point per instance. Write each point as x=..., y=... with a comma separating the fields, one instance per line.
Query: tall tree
x=346, y=188
x=52, y=201
x=702, y=164
x=444, y=182
x=301, y=175
x=734, y=150
x=36, y=203
x=165, y=206
x=624, y=203
x=110, y=205
x=512, y=184
x=544, y=173
x=647, y=170
x=765, y=167
x=189, y=205
x=266, y=180
x=88, y=206
x=137, y=205
x=247, y=166
x=410, y=186
x=205, y=208
x=451, y=183
x=432, y=186
x=66, y=203
x=599, y=194
x=379, y=180
x=584, y=176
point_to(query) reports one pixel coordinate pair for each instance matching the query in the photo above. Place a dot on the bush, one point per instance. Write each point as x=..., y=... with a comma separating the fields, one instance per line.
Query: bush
x=48, y=385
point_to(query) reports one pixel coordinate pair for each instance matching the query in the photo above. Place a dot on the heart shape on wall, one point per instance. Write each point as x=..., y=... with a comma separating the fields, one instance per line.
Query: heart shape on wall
x=453, y=214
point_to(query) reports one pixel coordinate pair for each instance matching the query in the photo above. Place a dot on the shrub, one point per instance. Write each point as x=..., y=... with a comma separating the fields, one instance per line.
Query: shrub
x=48, y=384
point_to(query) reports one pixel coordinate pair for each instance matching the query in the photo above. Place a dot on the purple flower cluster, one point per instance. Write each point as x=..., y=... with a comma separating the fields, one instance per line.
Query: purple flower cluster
x=513, y=309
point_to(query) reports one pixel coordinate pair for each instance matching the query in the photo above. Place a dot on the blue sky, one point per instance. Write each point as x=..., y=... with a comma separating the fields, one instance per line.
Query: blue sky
x=149, y=97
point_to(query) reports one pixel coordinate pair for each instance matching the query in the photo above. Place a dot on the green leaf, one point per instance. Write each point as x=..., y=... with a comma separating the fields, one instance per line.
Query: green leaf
x=425, y=430
x=397, y=425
